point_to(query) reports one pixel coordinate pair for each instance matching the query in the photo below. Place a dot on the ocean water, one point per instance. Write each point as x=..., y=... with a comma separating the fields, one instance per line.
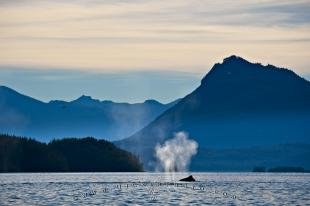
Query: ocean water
x=154, y=188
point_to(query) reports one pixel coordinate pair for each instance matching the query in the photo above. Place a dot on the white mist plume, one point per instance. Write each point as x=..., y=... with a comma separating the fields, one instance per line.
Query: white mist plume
x=175, y=154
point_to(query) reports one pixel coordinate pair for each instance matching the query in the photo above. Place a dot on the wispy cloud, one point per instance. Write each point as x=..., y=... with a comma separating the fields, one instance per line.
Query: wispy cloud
x=176, y=34
x=224, y=12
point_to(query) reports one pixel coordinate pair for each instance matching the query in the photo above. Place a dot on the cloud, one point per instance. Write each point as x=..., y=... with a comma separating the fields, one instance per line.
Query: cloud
x=175, y=11
x=123, y=34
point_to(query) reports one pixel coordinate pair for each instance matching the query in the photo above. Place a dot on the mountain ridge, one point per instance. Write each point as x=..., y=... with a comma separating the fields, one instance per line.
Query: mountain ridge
x=84, y=116
x=238, y=104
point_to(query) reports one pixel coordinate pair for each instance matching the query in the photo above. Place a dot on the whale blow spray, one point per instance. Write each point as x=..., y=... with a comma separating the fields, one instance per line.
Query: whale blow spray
x=175, y=154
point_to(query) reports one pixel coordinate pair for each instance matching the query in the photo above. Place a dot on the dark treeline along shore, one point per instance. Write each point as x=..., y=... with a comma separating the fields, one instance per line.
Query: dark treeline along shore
x=20, y=154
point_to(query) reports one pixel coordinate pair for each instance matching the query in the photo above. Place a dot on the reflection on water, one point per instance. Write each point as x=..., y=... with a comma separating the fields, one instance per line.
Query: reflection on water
x=155, y=188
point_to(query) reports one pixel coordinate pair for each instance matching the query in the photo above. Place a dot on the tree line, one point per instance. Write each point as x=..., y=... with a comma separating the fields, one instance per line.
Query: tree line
x=21, y=154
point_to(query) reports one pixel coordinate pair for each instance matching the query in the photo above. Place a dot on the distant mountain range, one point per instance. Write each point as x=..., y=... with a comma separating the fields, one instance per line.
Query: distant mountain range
x=239, y=105
x=25, y=116
x=243, y=115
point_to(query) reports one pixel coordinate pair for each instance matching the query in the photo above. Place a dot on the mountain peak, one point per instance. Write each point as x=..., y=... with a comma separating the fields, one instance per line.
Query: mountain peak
x=151, y=101
x=238, y=69
x=85, y=100
x=84, y=97
x=230, y=65
x=234, y=59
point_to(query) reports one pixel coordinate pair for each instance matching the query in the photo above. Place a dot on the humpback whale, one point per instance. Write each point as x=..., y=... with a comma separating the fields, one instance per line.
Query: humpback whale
x=188, y=179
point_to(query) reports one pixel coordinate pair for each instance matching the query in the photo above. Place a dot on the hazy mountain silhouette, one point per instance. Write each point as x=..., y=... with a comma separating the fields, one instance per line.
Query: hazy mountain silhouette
x=238, y=105
x=25, y=116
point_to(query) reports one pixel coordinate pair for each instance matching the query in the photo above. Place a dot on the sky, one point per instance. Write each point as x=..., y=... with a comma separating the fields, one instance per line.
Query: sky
x=132, y=50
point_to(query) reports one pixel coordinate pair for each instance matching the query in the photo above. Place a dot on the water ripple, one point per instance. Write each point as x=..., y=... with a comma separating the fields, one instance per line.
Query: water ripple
x=154, y=189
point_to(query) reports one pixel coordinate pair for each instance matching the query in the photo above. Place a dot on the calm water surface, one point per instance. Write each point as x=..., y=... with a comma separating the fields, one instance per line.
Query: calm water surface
x=154, y=188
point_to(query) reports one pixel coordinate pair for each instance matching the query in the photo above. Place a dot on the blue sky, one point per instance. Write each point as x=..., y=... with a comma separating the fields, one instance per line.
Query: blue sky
x=139, y=49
